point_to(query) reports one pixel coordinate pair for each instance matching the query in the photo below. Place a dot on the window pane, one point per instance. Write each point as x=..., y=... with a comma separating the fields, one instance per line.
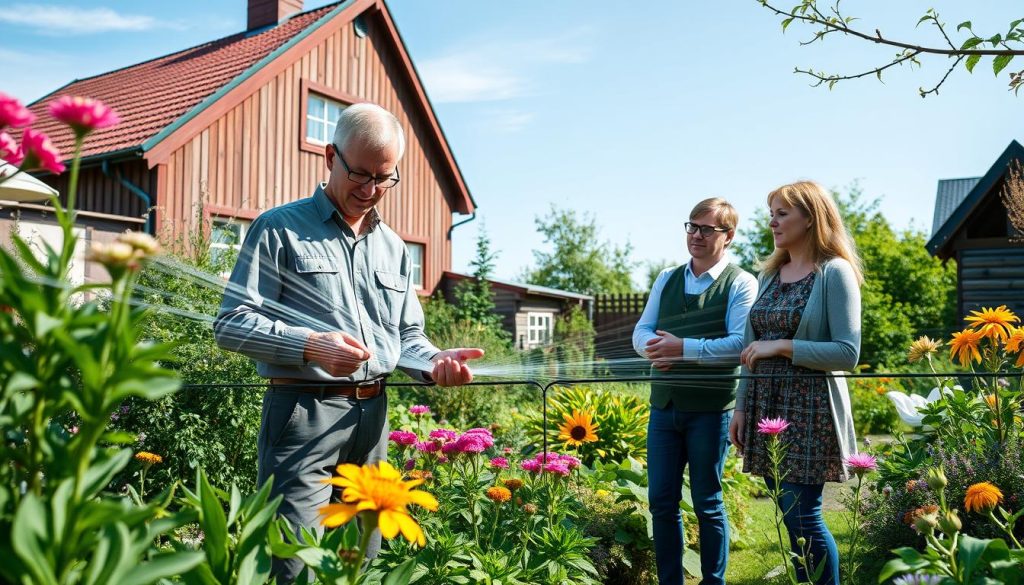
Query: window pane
x=334, y=111
x=416, y=258
x=315, y=107
x=226, y=233
x=315, y=130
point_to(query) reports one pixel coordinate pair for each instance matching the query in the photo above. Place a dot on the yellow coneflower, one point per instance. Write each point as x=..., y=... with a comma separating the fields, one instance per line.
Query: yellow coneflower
x=982, y=498
x=499, y=494
x=994, y=323
x=922, y=348
x=578, y=429
x=1015, y=344
x=148, y=458
x=378, y=489
x=964, y=346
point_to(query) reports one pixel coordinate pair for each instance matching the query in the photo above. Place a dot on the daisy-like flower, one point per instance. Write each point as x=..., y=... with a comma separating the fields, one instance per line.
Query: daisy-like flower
x=83, y=114
x=924, y=347
x=380, y=490
x=531, y=465
x=499, y=494
x=964, y=346
x=918, y=579
x=9, y=149
x=982, y=498
x=12, y=113
x=772, y=426
x=1015, y=345
x=861, y=463
x=578, y=429
x=994, y=323
x=148, y=458
x=40, y=153
x=402, y=438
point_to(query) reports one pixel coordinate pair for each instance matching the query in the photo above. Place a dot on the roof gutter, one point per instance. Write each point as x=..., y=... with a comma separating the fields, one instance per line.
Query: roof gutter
x=136, y=190
x=457, y=224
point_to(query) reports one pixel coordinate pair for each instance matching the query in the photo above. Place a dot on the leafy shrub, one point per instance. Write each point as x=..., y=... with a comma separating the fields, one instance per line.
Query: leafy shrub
x=873, y=413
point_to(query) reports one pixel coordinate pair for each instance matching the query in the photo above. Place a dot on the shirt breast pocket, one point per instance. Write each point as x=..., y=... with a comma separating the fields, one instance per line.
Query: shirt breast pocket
x=391, y=287
x=319, y=283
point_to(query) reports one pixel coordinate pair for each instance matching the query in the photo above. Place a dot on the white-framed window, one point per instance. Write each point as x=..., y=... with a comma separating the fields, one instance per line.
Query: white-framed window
x=539, y=328
x=226, y=235
x=321, y=118
x=416, y=252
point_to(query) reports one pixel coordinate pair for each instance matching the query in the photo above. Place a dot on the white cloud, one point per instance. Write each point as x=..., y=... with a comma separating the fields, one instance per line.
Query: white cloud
x=509, y=120
x=73, y=20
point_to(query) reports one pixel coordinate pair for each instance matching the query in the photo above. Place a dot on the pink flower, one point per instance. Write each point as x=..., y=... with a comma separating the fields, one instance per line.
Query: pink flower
x=861, y=463
x=551, y=457
x=9, y=149
x=83, y=114
x=13, y=114
x=428, y=446
x=40, y=153
x=443, y=435
x=482, y=435
x=499, y=463
x=450, y=447
x=419, y=409
x=772, y=426
x=403, y=438
x=472, y=443
x=507, y=450
x=570, y=461
x=531, y=465
x=442, y=459
x=557, y=467
x=73, y=430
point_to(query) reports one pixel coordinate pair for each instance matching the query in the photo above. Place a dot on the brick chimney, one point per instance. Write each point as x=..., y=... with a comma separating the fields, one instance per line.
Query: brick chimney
x=270, y=12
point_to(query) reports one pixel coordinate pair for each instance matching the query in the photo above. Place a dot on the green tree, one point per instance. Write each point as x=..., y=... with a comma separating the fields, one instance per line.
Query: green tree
x=654, y=268
x=473, y=300
x=906, y=291
x=580, y=262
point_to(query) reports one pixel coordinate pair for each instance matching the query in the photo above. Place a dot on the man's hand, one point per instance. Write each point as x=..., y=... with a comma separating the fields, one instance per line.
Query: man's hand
x=738, y=430
x=664, y=350
x=450, y=367
x=338, y=353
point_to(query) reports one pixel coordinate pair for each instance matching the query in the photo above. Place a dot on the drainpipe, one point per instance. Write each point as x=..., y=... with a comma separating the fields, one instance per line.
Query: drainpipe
x=465, y=221
x=136, y=190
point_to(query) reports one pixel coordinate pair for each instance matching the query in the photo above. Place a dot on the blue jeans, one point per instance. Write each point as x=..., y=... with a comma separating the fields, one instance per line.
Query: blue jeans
x=801, y=505
x=700, y=439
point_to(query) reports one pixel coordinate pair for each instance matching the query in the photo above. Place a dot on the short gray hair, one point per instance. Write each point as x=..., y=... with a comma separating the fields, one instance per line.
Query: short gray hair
x=370, y=125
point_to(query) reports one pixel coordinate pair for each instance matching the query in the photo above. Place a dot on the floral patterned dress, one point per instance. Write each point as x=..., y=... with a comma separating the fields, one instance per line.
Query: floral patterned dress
x=813, y=455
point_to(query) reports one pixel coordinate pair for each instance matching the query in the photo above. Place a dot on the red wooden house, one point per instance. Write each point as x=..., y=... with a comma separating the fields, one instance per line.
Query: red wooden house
x=215, y=134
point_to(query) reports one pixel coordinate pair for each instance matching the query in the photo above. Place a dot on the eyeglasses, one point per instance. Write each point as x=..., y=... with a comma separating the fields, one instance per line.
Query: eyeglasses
x=705, y=230
x=362, y=178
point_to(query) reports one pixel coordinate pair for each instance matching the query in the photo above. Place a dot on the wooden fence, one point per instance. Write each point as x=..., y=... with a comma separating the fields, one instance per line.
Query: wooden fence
x=615, y=316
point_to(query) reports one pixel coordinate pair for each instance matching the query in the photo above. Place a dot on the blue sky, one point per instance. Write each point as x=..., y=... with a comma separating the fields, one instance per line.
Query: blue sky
x=632, y=112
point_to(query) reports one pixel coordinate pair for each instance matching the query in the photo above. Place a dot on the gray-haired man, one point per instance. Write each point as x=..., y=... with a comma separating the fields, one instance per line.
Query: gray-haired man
x=320, y=298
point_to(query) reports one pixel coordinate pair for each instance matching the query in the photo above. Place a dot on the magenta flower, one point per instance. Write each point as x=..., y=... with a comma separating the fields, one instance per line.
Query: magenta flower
x=530, y=465
x=419, y=409
x=442, y=459
x=499, y=463
x=13, y=114
x=9, y=149
x=472, y=443
x=772, y=426
x=443, y=435
x=861, y=463
x=570, y=461
x=403, y=438
x=83, y=114
x=428, y=446
x=40, y=153
x=410, y=464
x=558, y=467
x=507, y=450
x=449, y=448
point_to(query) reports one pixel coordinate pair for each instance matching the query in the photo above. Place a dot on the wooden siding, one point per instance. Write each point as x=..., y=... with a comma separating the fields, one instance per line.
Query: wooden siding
x=100, y=193
x=250, y=157
x=989, y=277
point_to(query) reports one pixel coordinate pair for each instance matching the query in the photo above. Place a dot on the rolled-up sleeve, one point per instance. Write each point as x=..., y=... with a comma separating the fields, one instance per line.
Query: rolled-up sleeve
x=250, y=317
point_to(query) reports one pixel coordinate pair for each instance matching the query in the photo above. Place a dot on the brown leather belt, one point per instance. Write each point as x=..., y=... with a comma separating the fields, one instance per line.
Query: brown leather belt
x=358, y=390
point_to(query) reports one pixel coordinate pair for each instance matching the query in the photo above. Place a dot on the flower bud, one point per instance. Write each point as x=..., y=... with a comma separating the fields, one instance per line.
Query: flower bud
x=801, y=543
x=530, y=508
x=936, y=479
x=950, y=523
x=926, y=524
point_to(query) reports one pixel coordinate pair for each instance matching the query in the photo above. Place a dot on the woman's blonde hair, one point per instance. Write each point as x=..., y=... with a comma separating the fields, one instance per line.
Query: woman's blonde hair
x=827, y=236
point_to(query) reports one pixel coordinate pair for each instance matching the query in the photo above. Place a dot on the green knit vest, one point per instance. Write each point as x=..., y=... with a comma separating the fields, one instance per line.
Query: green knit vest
x=695, y=316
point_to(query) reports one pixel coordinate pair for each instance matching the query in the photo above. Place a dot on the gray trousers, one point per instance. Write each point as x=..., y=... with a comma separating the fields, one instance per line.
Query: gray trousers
x=303, y=437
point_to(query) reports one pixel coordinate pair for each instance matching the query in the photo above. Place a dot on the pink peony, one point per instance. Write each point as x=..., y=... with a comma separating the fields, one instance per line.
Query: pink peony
x=428, y=446
x=419, y=409
x=861, y=463
x=772, y=426
x=531, y=465
x=499, y=463
x=403, y=438
x=13, y=114
x=83, y=114
x=9, y=149
x=40, y=153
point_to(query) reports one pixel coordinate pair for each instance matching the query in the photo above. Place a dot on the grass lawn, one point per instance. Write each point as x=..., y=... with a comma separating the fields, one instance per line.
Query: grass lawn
x=750, y=565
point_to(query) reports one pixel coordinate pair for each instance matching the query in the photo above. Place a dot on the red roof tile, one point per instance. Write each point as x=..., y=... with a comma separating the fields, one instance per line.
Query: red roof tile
x=151, y=95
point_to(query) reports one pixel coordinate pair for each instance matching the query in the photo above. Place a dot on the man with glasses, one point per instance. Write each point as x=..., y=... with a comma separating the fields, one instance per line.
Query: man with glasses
x=321, y=298
x=693, y=325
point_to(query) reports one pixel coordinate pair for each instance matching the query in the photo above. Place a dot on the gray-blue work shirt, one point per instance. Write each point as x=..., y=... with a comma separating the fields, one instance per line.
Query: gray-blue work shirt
x=302, y=269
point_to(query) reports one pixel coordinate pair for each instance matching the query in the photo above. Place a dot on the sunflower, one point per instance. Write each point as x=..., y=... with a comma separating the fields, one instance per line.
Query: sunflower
x=964, y=346
x=924, y=347
x=1015, y=344
x=982, y=497
x=378, y=489
x=995, y=323
x=577, y=429
x=148, y=458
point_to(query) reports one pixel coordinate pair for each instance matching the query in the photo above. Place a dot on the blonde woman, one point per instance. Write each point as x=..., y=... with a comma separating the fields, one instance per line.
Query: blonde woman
x=804, y=325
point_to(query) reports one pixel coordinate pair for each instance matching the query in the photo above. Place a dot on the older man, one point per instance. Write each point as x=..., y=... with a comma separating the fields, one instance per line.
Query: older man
x=693, y=324
x=321, y=299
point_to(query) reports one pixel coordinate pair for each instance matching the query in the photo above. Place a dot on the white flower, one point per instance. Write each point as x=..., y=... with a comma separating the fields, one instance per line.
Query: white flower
x=909, y=407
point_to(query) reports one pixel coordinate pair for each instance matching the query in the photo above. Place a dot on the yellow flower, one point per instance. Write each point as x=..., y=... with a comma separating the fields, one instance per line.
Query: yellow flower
x=922, y=348
x=1015, y=344
x=982, y=497
x=577, y=429
x=148, y=458
x=378, y=489
x=513, y=483
x=994, y=323
x=499, y=494
x=964, y=346
x=990, y=400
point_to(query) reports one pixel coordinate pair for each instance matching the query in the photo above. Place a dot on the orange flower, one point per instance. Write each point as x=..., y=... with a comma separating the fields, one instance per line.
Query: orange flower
x=513, y=483
x=994, y=323
x=148, y=458
x=982, y=497
x=1015, y=344
x=964, y=346
x=499, y=494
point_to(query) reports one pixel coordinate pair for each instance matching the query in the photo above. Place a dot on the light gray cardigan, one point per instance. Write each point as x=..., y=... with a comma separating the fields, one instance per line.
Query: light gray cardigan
x=827, y=339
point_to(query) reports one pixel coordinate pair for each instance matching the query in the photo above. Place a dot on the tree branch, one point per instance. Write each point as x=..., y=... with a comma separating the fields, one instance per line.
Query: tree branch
x=935, y=89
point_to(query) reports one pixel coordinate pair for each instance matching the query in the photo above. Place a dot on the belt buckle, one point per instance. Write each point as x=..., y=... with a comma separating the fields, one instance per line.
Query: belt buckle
x=370, y=384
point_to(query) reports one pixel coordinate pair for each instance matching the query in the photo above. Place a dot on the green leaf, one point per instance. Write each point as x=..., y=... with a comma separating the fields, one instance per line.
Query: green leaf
x=969, y=554
x=965, y=24
x=971, y=62
x=995, y=40
x=786, y=23
x=971, y=43
x=236, y=503
x=21, y=382
x=28, y=536
x=103, y=470
x=691, y=562
x=214, y=527
x=162, y=566
x=1000, y=62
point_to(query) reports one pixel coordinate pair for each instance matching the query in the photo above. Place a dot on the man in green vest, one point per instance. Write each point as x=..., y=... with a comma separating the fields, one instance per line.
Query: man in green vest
x=693, y=324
